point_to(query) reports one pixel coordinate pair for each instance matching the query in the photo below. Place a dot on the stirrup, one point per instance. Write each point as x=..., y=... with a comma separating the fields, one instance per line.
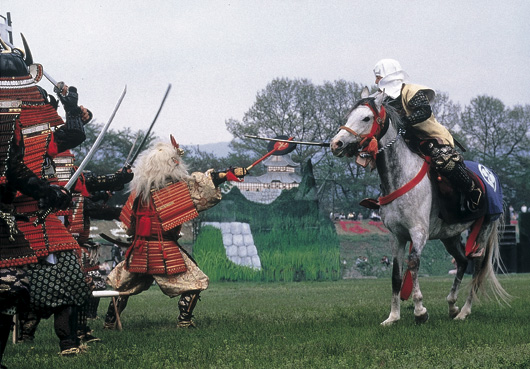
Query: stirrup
x=477, y=253
x=473, y=199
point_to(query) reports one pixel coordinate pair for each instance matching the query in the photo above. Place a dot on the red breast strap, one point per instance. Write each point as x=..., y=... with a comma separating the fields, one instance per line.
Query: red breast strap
x=383, y=200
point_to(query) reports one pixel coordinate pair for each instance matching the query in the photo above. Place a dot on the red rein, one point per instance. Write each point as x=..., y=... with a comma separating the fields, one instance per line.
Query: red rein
x=372, y=146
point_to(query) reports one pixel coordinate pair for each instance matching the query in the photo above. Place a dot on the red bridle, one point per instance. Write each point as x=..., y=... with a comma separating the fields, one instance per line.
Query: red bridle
x=372, y=146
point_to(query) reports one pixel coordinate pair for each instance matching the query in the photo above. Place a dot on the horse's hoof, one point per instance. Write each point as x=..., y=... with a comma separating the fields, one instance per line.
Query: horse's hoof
x=388, y=323
x=420, y=319
x=453, y=313
x=460, y=316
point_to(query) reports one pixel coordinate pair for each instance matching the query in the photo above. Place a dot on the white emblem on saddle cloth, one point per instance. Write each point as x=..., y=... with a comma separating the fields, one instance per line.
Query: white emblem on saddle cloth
x=488, y=176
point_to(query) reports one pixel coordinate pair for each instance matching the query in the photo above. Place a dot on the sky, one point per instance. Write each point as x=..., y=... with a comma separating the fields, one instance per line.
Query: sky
x=218, y=55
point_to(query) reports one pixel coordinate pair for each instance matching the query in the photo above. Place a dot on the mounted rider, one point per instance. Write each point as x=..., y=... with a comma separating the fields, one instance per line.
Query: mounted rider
x=412, y=102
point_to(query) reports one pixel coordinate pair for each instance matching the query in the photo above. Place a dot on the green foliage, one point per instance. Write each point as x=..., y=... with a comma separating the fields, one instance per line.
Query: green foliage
x=294, y=241
x=299, y=325
x=499, y=137
x=112, y=152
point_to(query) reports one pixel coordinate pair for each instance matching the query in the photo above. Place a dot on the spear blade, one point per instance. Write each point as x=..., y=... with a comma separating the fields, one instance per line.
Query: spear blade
x=321, y=144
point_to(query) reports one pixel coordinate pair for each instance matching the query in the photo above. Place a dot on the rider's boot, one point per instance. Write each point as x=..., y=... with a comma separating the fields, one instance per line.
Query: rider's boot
x=460, y=178
x=450, y=163
x=187, y=303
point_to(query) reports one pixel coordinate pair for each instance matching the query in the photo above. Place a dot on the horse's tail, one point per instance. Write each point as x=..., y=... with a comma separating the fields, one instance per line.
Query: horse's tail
x=490, y=261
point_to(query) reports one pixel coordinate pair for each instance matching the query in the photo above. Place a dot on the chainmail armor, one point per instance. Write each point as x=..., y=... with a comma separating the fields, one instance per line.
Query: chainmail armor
x=421, y=109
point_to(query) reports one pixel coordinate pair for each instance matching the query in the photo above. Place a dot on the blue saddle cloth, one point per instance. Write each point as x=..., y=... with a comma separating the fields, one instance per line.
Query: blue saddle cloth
x=492, y=185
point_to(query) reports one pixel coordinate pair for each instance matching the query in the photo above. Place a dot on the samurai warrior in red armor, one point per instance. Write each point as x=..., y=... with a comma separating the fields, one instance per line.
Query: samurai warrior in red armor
x=43, y=134
x=163, y=197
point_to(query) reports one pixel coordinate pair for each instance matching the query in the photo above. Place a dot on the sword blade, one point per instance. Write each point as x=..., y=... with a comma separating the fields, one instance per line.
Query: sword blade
x=150, y=128
x=131, y=151
x=49, y=78
x=321, y=144
x=95, y=146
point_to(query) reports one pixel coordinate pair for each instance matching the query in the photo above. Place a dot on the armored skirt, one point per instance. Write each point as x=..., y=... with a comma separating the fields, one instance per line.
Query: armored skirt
x=53, y=286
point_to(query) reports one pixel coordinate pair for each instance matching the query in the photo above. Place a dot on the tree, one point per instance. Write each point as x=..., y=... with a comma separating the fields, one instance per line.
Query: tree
x=448, y=114
x=299, y=109
x=498, y=137
x=112, y=152
x=201, y=161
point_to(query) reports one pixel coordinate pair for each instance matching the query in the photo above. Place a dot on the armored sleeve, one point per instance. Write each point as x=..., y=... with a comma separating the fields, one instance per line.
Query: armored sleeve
x=71, y=134
x=420, y=107
x=203, y=191
x=21, y=178
x=101, y=211
x=107, y=182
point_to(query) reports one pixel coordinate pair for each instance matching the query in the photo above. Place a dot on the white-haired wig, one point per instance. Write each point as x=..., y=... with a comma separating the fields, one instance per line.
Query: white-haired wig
x=156, y=168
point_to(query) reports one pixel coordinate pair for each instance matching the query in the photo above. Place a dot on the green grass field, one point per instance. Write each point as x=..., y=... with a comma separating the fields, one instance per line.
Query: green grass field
x=331, y=324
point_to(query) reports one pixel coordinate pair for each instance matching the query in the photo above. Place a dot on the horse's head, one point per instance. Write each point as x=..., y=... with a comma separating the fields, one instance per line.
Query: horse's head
x=364, y=124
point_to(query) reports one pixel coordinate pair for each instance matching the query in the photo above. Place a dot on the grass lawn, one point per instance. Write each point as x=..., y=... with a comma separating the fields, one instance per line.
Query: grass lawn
x=300, y=325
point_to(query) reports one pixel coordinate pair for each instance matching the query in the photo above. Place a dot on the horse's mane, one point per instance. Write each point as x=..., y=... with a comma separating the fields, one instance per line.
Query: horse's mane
x=156, y=168
x=392, y=113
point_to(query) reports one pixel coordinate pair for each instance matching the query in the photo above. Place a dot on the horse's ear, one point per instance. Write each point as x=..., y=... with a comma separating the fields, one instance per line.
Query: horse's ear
x=379, y=99
x=365, y=92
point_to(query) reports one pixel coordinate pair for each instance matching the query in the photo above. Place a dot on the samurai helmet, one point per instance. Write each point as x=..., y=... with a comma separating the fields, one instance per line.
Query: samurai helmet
x=393, y=76
x=180, y=151
x=15, y=62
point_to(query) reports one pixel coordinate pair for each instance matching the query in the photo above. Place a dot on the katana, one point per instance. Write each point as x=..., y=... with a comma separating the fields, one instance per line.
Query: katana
x=129, y=164
x=131, y=151
x=114, y=241
x=73, y=179
x=321, y=144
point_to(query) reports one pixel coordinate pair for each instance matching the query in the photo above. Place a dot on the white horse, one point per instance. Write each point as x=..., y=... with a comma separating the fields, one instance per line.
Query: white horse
x=414, y=216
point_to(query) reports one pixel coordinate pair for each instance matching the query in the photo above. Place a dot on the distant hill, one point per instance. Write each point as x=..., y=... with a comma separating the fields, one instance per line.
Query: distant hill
x=219, y=149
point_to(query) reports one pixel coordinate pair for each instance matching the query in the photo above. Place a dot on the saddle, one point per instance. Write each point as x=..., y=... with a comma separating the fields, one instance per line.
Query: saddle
x=452, y=201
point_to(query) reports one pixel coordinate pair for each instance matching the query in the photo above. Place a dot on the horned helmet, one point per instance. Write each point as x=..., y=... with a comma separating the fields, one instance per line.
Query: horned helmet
x=15, y=62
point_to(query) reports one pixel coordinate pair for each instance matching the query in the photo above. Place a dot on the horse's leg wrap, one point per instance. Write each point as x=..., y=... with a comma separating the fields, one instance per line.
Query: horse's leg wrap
x=110, y=318
x=187, y=303
x=413, y=261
